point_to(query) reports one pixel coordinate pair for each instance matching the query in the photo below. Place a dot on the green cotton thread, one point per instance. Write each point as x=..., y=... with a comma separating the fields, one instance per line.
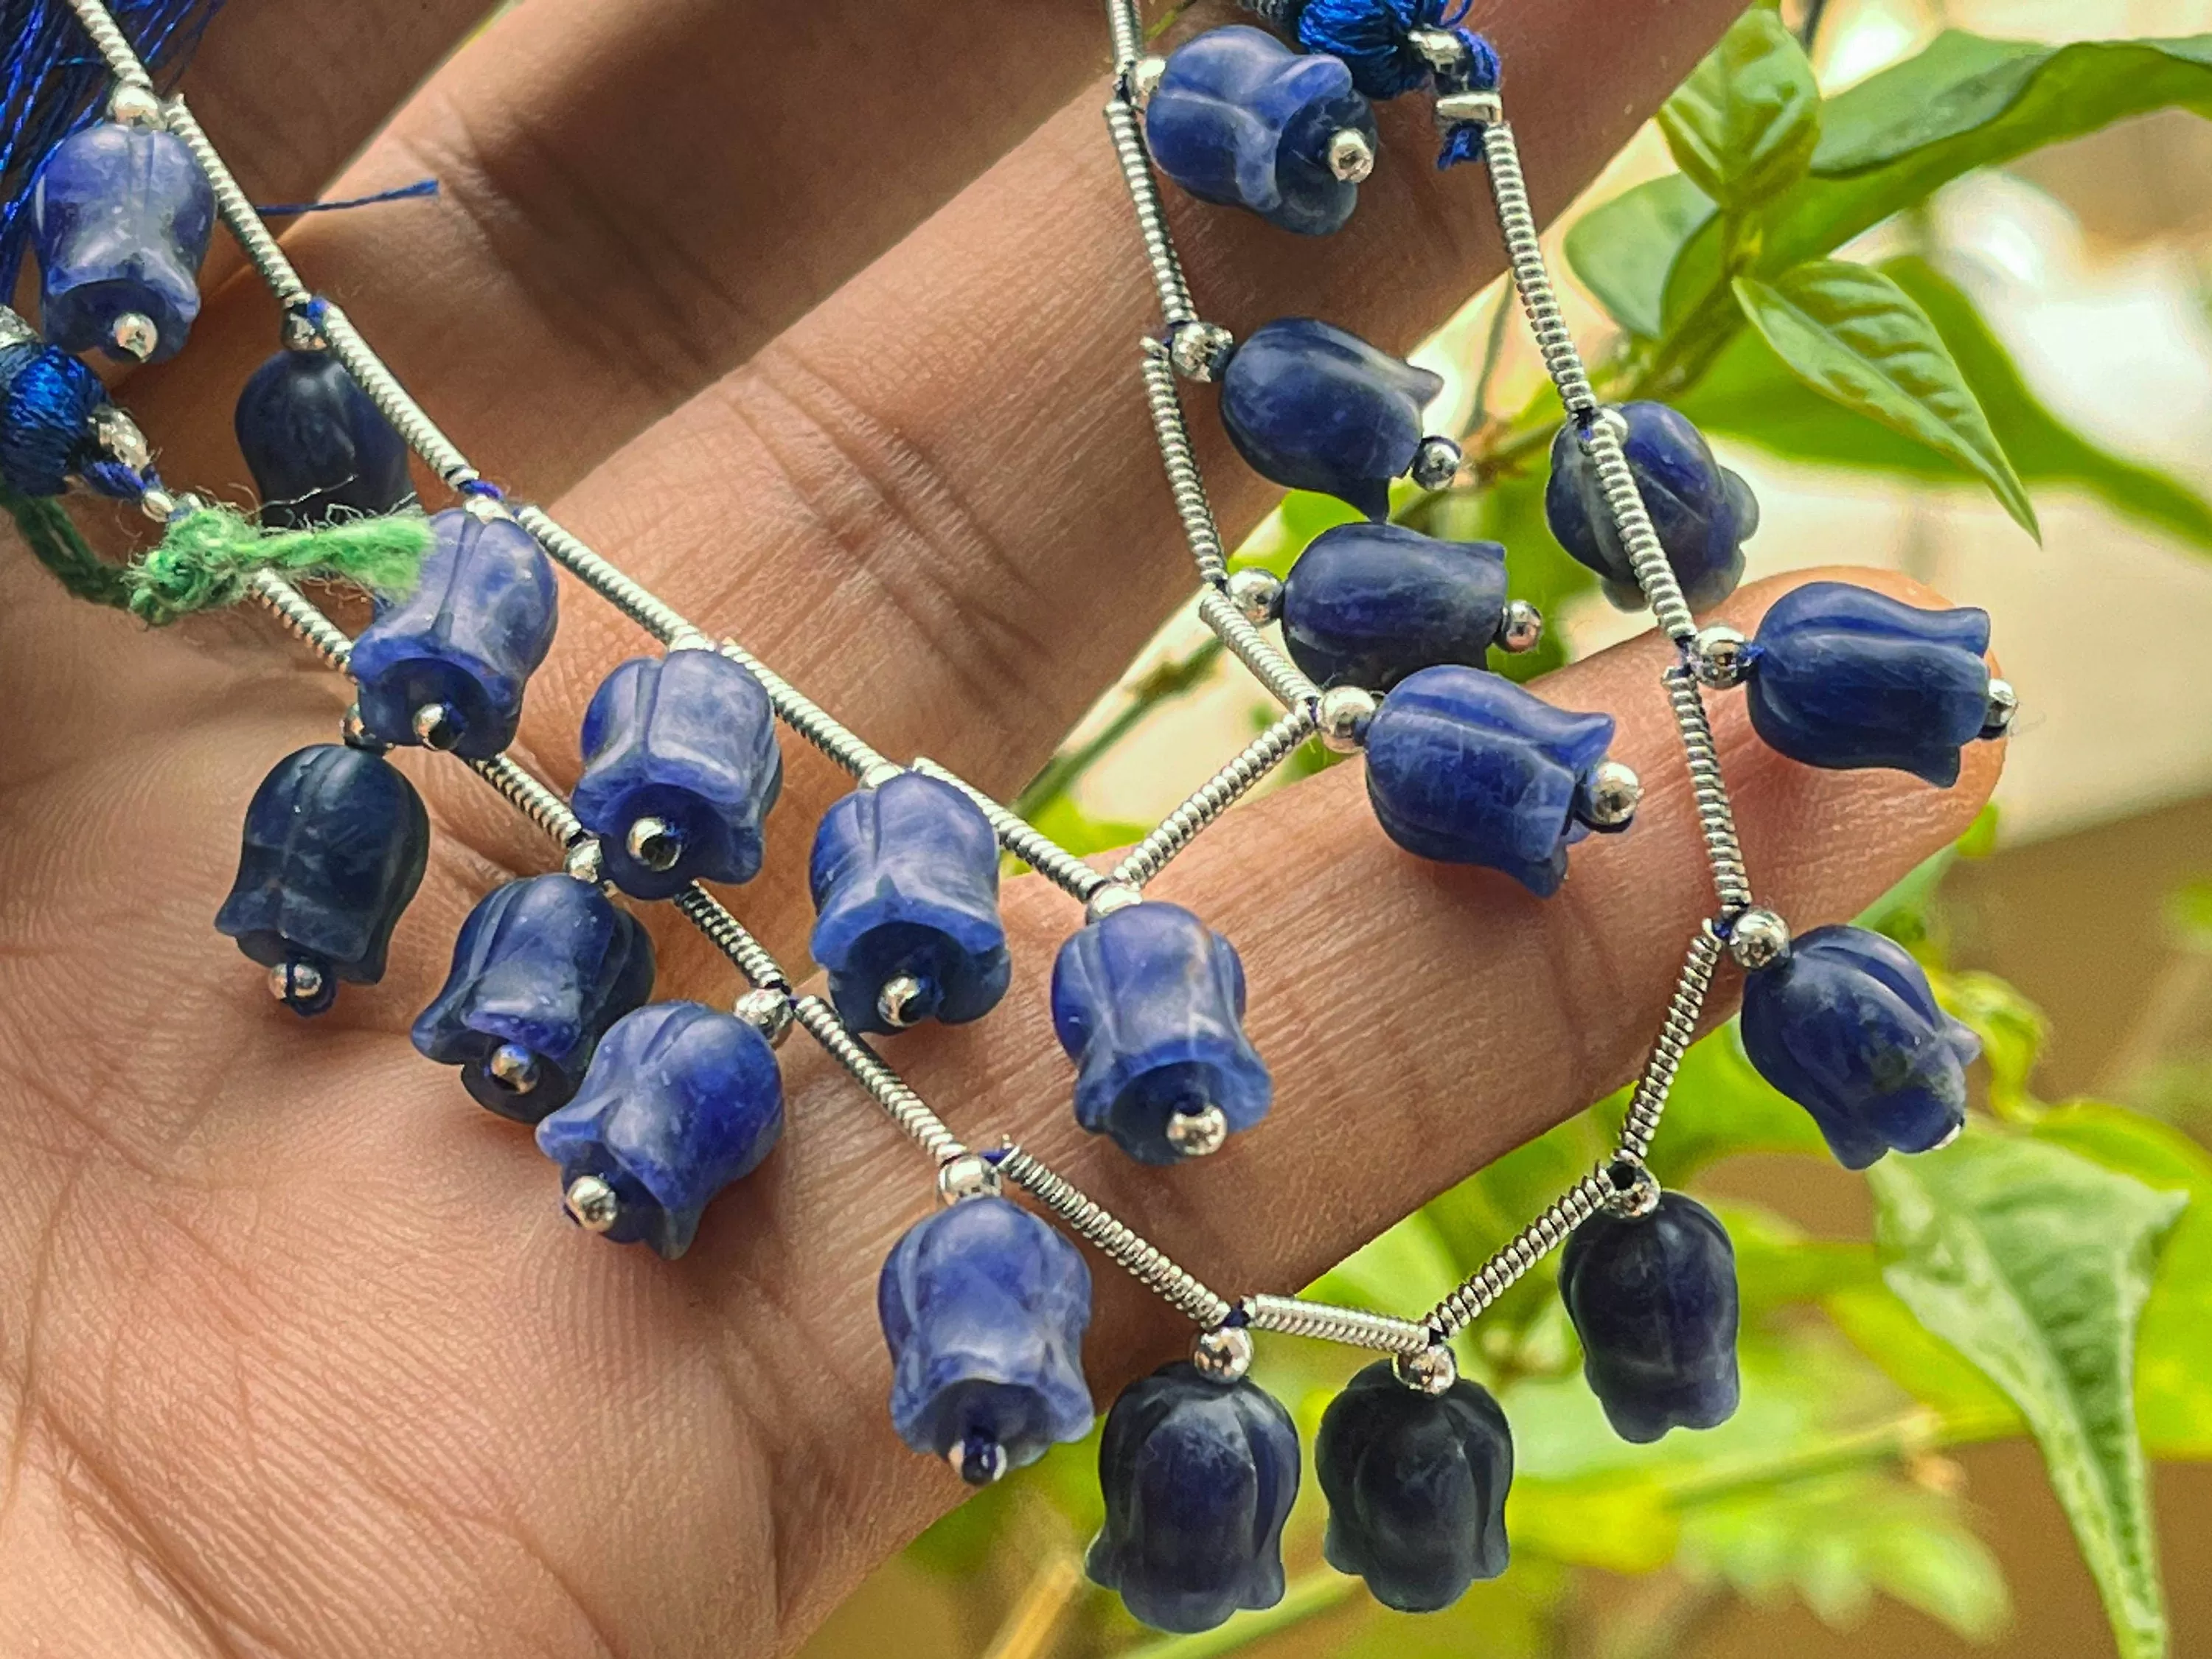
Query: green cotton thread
x=209, y=553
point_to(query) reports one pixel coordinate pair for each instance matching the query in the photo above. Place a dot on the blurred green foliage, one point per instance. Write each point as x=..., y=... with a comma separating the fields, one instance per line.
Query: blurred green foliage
x=2050, y=1275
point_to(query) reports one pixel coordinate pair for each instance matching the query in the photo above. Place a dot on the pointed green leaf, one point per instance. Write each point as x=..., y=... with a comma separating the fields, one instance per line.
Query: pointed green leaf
x=1744, y=125
x=1621, y=251
x=1858, y=339
x=1750, y=395
x=2035, y=1263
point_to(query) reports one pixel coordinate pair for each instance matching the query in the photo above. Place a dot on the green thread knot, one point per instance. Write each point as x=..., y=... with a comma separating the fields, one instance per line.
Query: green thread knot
x=209, y=554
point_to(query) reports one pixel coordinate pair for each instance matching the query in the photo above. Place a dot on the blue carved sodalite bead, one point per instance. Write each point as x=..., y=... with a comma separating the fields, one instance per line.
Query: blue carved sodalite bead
x=1702, y=512
x=542, y=968
x=984, y=1306
x=905, y=879
x=1465, y=768
x=1653, y=1298
x=1367, y=605
x=334, y=847
x=1416, y=1486
x=1149, y=1003
x=120, y=217
x=1844, y=677
x=1846, y=1026
x=680, y=1100
x=1198, y=1479
x=1240, y=118
x=687, y=741
x=1315, y=408
x=318, y=449
x=466, y=640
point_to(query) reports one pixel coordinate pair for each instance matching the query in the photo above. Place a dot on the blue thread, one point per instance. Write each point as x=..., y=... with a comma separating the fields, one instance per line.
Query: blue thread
x=316, y=309
x=403, y=193
x=485, y=488
x=46, y=417
x=52, y=83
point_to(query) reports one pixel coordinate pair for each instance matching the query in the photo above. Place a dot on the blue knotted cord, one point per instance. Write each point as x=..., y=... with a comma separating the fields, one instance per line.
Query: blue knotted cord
x=46, y=400
x=53, y=83
x=1373, y=38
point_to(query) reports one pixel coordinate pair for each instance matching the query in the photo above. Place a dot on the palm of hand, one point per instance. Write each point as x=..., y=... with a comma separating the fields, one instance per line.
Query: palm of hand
x=297, y=1354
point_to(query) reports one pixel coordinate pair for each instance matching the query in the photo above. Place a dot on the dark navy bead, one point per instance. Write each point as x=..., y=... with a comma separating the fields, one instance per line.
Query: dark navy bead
x=1465, y=768
x=905, y=879
x=1368, y=604
x=1198, y=1479
x=465, y=641
x=1653, y=1298
x=318, y=449
x=542, y=968
x=120, y=218
x=1844, y=677
x=334, y=847
x=1315, y=408
x=681, y=1101
x=1149, y=1003
x=1416, y=1486
x=984, y=1306
x=1702, y=512
x=1240, y=120
x=1847, y=1027
x=688, y=739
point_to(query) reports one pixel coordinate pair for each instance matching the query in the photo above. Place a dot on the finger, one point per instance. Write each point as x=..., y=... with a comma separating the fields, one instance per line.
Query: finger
x=633, y=200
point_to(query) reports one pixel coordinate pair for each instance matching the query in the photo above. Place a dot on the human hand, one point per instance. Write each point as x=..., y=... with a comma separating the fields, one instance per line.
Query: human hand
x=297, y=1355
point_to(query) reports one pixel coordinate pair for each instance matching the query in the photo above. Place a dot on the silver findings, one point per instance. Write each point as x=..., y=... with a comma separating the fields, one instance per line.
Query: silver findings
x=592, y=1204
x=435, y=726
x=1122, y=121
x=896, y=1002
x=1523, y=1251
x=1520, y=628
x=302, y=620
x=1198, y=1134
x=969, y=1175
x=119, y=436
x=295, y=982
x=137, y=105
x=1269, y=666
x=1181, y=827
x=1199, y=351
x=1350, y=156
x=513, y=1068
x=653, y=842
x=1223, y=1354
x=768, y=1011
x=1184, y=483
x=1109, y=896
x=1323, y=1321
x=2004, y=703
x=1608, y=798
x=1716, y=816
x=1023, y=839
x=1342, y=714
x=1256, y=593
x=1144, y=1262
x=1719, y=656
x=545, y=807
x=1431, y=1371
x=1517, y=221
x=1758, y=938
x=1142, y=79
x=905, y=1107
x=1435, y=463
x=1635, y=1190
x=1676, y=1033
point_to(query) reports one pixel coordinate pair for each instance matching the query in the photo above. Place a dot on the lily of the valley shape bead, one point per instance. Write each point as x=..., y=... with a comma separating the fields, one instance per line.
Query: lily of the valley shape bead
x=318, y=449
x=120, y=219
x=1366, y=604
x=1702, y=512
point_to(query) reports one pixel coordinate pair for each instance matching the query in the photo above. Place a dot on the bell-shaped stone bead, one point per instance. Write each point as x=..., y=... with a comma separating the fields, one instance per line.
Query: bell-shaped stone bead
x=334, y=846
x=120, y=218
x=1199, y=1477
x=984, y=1306
x=1240, y=118
x=319, y=451
x=681, y=1101
x=1366, y=604
x=1847, y=1026
x=1702, y=512
x=1653, y=1298
x=543, y=967
x=688, y=739
x=466, y=640
x=1416, y=1486
x=1312, y=407
x=1149, y=1003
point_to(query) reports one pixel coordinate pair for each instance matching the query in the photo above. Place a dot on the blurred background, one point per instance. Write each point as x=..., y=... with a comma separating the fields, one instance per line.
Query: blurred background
x=1879, y=1493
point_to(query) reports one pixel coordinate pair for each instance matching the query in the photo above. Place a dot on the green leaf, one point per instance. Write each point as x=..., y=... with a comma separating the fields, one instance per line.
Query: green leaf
x=2173, y=1359
x=2035, y=1263
x=1778, y=1263
x=2012, y=1030
x=1621, y=251
x=1965, y=102
x=1855, y=337
x=1966, y=1403
x=1749, y=394
x=1745, y=124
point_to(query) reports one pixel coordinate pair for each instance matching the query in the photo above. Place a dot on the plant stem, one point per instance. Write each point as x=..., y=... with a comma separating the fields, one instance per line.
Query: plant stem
x=1165, y=683
x=1044, y=1601
x=1307, y=1597
x=1492, y=350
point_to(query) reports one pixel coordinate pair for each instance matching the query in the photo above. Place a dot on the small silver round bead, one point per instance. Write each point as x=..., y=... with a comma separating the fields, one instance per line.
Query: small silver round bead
x=653, y=842
x=158, y=505
x=1105, y=900
x=592, y=1204
x=298, y=332
x=1341, y=716
x=118, y=435
x=1198, y=1134
x=514, y=1067
x=1200, y=351
x=1520, y=628
x=1719, y=655
x=134, y=334
x=353, y=731
x=879, y=775
x=1351, y=157
x=1442, y=49
x=1431, y=1371
x=587, y=860
x=1609, y=795
x=2004, y=703
x=1223, y=1354
x=768, y=1012
x=969, y=1175
x=1435, y=463
x=1257, y=594
x=485, y=509
x=895, y=1002
x=135, y=104
x=1145, y=79
x=1758, y=938
x=295, y=982
x=1636, y=1190
x=435, y=726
